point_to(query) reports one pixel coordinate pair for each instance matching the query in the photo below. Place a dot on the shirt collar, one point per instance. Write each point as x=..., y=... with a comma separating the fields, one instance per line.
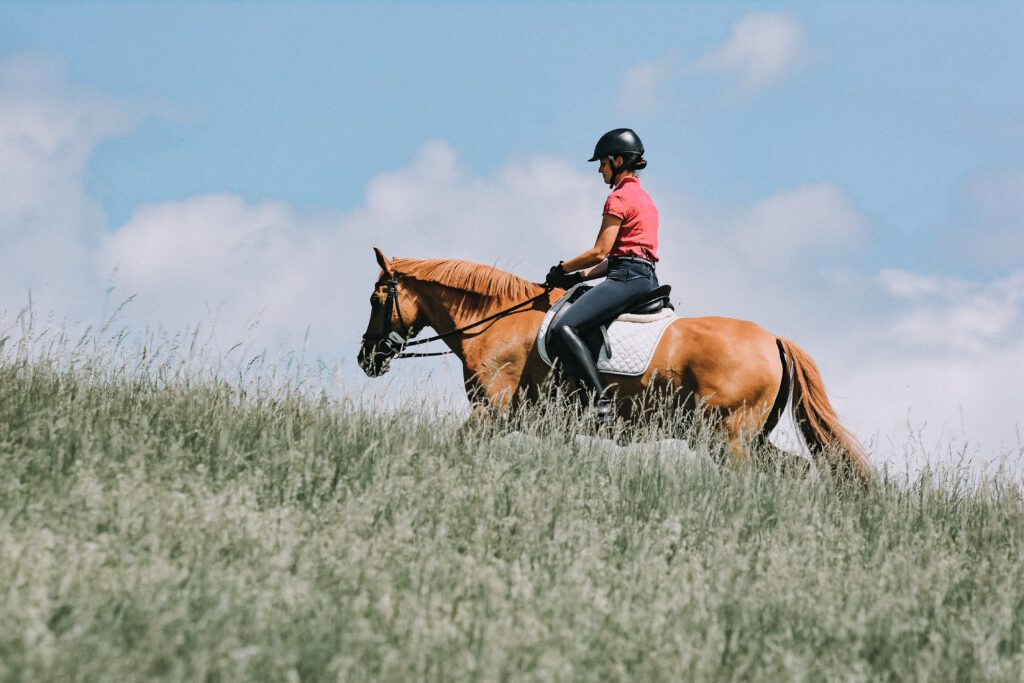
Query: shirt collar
x=627, y=179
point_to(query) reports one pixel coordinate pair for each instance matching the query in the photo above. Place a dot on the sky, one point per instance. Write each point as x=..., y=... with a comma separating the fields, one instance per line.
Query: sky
x=849, y=175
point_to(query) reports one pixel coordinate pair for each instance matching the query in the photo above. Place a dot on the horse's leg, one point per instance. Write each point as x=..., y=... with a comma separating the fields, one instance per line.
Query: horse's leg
x=474, y=390
x=500, y=389
x=479, y=410
x=739, y=429
x=489, y=394
x=744, y=431
x=784, y=461
x=480, y=416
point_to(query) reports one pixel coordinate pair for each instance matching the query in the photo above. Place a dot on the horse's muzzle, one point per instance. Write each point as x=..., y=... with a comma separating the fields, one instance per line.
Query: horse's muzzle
x=375, y=357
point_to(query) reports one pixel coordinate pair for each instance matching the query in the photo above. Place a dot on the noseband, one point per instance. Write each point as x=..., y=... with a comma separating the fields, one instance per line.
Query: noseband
x=394, y=342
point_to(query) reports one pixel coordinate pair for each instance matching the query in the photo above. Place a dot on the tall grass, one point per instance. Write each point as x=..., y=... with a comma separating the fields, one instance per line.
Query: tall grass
x=174, y=519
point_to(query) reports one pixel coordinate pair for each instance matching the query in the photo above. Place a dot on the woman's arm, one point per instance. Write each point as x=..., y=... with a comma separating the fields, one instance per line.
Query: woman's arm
x=599, y=252
x=597, y=271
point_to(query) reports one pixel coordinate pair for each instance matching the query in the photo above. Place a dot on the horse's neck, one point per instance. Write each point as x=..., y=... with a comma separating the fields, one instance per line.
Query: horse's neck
x=437, y=307
x=443, y=306
x=444, y=313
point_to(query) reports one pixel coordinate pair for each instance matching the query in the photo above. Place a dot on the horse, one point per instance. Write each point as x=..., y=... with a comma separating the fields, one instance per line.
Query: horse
x=734, y=371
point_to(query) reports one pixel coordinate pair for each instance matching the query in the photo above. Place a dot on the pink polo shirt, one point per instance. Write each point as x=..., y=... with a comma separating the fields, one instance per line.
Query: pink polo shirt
x=638, y=235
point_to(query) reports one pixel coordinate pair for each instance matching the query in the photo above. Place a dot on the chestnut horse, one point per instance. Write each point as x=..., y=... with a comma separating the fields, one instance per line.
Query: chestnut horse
x=736, y=371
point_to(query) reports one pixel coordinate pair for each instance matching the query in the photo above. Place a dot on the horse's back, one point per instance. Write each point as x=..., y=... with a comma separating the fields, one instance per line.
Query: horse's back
x=716, y=330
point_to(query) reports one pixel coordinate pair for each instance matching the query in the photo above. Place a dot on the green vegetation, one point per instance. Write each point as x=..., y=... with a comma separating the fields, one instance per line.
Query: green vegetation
x=162, y=523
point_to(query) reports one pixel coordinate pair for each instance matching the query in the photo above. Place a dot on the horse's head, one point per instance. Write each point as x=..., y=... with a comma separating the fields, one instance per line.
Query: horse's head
x=395, y=318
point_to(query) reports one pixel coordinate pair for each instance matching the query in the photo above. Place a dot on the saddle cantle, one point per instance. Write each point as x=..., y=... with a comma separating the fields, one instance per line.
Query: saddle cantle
x=652, y=302
x=633, y=335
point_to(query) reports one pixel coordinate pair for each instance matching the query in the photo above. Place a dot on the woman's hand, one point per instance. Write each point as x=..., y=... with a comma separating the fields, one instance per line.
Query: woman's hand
x=557, y=277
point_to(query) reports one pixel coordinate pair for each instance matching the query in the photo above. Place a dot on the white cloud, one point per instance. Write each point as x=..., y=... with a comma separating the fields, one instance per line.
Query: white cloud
x=218, y=253
x=644, y=85
x=955, y=404
x=987, y=233
x=435, y=207
x=763, y=49
x=770, y=261
x=939, y=358
x=49, y=127
x=912, y=286
x=954, y=314
x=775, y=231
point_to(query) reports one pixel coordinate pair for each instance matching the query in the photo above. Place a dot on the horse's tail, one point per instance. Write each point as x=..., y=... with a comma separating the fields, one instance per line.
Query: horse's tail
x=817, y=419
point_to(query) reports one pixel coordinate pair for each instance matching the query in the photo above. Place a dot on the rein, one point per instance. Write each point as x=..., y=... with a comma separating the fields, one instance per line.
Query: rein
x=394, y=339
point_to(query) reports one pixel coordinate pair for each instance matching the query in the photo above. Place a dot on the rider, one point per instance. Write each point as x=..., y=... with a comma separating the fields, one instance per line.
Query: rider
x=625, y=253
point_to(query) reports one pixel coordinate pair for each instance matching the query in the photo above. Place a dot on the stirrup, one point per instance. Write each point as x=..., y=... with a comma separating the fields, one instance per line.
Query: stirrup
x=604, y=409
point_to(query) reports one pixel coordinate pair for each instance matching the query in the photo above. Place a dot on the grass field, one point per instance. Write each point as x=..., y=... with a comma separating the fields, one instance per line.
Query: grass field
x=160, y=523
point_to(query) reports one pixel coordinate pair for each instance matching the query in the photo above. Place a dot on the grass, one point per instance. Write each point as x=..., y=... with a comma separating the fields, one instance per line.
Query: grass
x=159, y=521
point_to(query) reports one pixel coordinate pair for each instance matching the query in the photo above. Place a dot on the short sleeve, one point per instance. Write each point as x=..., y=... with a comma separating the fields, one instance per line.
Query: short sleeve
x=615, y=206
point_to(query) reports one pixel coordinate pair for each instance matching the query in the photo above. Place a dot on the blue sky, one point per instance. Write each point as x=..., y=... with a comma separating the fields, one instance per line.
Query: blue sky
x=307, y=102
x=892, y=134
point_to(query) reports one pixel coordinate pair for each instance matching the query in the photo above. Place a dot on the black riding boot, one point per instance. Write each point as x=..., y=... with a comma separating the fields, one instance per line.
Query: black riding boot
x=585, y=369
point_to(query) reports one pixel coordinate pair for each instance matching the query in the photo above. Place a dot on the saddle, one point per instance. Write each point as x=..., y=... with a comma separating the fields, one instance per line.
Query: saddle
x=633, y=330
x=653, y=302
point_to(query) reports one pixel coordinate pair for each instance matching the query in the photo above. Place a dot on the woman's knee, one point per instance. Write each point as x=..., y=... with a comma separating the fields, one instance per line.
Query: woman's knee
x=561, y=331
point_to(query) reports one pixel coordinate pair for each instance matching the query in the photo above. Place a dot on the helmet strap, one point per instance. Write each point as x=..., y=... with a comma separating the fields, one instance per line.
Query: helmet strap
x=616, y=170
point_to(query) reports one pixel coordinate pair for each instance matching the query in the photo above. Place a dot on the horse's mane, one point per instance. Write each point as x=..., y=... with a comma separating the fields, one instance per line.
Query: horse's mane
x=476, y=283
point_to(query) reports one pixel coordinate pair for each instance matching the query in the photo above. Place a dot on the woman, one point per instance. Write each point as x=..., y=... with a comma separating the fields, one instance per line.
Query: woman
x=625, y=253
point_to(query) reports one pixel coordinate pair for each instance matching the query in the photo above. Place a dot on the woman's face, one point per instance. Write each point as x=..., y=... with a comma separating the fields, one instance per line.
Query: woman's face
x=605, y=169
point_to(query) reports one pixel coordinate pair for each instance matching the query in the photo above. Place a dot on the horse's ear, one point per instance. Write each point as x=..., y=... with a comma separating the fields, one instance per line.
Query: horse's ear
x=383, y=262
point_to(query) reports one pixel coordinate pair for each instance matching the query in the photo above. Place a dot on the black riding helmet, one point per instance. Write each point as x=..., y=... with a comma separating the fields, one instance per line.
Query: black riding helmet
x=621, y=142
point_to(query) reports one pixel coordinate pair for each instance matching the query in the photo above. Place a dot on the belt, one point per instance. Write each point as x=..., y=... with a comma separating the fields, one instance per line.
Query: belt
x=634, y=259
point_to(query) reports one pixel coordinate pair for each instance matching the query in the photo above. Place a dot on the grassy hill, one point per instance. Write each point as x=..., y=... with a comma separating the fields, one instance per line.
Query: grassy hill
x=159, y=525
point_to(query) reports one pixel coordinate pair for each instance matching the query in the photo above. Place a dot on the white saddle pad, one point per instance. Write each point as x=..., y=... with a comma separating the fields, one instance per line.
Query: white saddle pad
x=633, y=339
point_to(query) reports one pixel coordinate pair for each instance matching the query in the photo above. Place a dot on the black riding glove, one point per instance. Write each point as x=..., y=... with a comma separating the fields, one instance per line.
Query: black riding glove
x=557, y=277
x=556, y=273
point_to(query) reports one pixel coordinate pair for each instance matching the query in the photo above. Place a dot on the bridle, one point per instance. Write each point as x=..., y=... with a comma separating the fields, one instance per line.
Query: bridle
x=393, y=341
